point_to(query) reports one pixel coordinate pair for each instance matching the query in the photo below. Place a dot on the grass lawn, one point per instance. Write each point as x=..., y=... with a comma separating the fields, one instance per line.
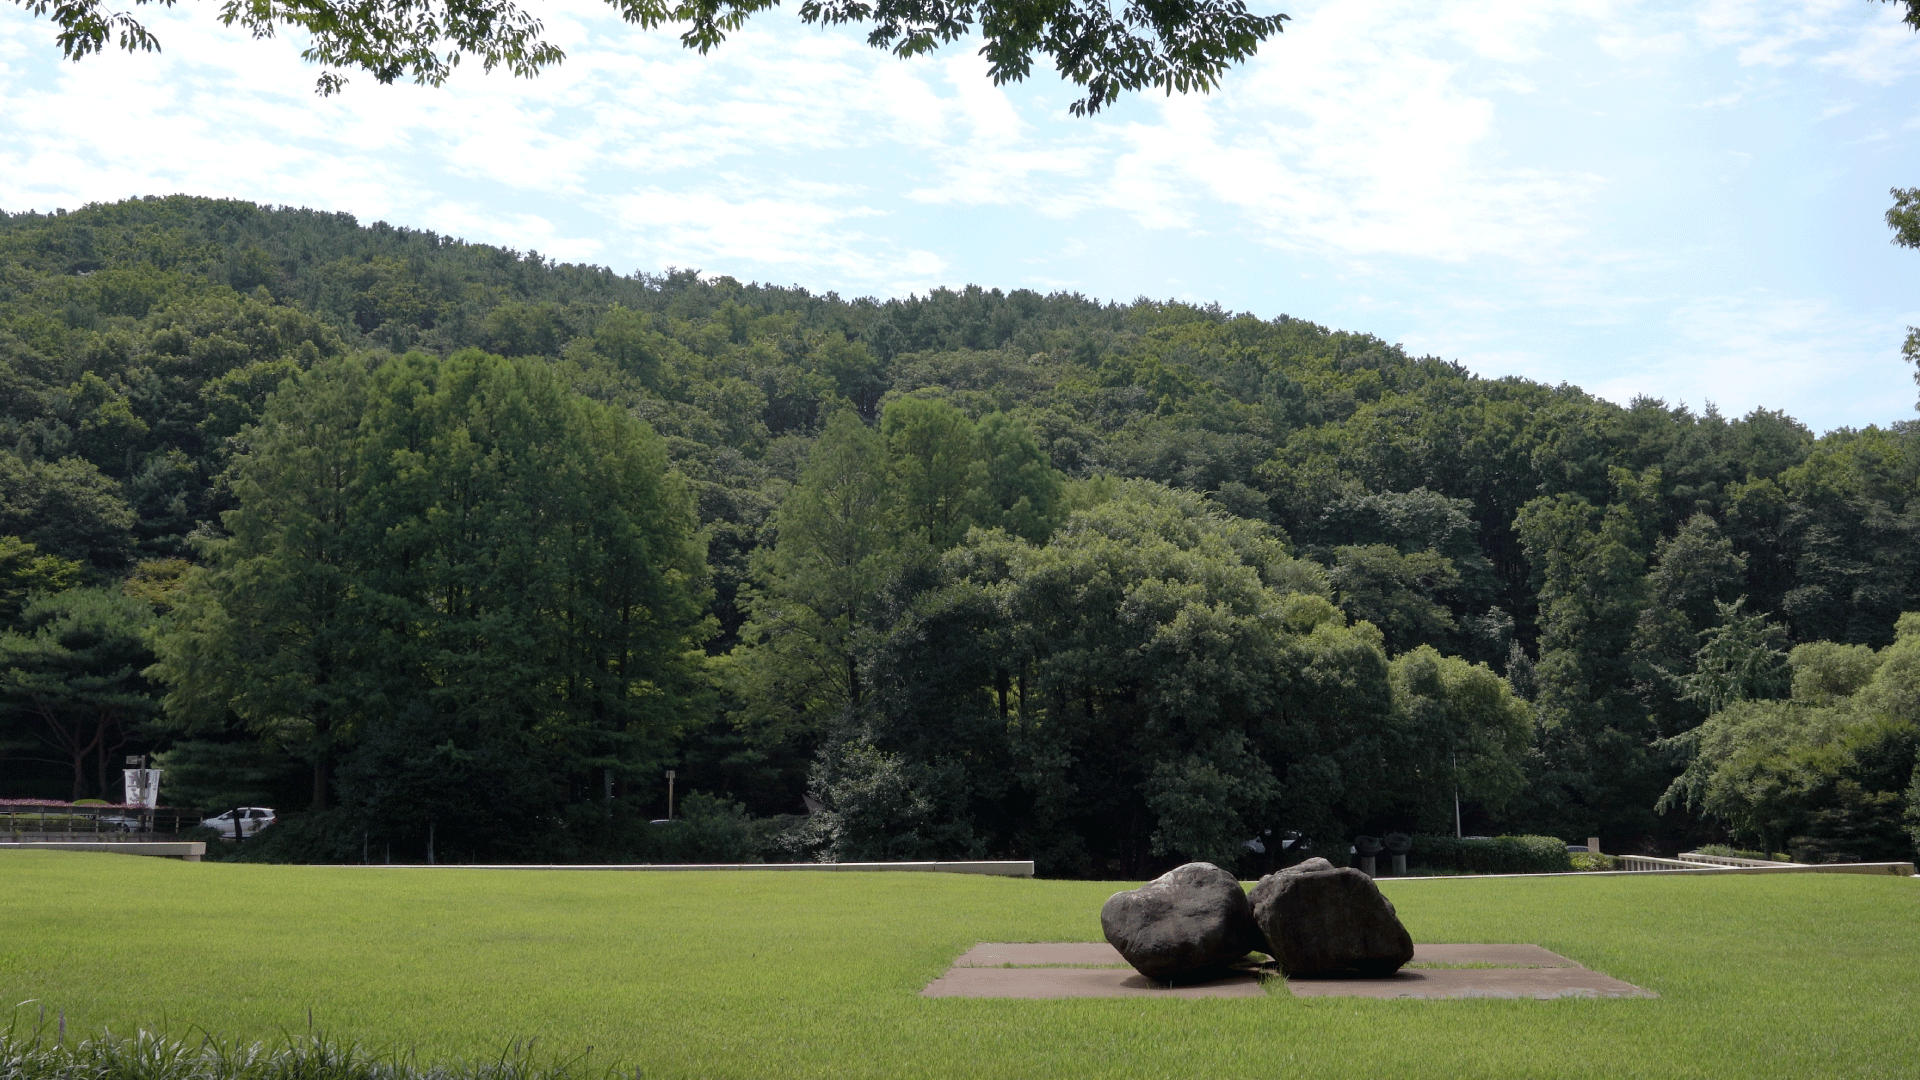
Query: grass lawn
x=794, y=974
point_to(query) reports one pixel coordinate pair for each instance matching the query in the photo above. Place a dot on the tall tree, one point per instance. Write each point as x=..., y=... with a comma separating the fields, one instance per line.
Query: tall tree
x=1693, y=572
x=933, y=468
x=819, y=588
x=464, y=540
x=1593, y=772
x=1903, y=217
x=283, y=626
x=1740, y=659
x=1019, y=489
x=1463, y=735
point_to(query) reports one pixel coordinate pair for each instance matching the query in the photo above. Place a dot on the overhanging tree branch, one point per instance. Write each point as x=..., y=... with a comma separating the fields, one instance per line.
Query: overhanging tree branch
x=1171, y=45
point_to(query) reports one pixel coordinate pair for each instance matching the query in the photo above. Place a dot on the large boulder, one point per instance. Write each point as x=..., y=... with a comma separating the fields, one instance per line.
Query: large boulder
x=1322, y=920
x=1187, y=921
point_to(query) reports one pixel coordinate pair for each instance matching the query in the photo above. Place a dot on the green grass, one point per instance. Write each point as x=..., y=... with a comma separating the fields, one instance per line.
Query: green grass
x=816, y=975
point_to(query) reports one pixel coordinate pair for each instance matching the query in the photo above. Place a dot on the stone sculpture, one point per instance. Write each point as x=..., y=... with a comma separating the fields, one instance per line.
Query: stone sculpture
x=1318, y=920
x=1188, y=921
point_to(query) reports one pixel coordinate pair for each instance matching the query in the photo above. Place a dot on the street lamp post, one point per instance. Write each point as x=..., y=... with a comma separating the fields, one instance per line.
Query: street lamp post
x=669, y=794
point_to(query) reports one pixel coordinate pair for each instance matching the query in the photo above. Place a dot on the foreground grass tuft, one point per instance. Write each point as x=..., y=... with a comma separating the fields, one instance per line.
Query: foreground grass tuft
x=45, y=1054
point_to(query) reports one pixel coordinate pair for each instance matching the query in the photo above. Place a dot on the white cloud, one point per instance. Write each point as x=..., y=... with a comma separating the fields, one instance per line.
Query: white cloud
x=1760, y=349
x=1361, y=138
x=735, y=224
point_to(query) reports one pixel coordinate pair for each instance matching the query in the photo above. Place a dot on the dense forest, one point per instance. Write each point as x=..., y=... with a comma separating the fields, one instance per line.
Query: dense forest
x=436, y=543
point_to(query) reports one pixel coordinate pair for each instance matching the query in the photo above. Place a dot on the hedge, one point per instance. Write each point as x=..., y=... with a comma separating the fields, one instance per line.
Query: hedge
x=1496, y=855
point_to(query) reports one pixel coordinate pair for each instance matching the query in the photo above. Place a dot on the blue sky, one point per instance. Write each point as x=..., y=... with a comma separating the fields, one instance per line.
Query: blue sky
x=1675, y=199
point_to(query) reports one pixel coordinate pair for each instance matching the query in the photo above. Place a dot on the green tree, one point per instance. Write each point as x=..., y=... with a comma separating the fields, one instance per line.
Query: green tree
x=1825, y=672
x=460, y=540
x=282, y=626
x=1826, y=774
x=1463, y=733
x=1593, y=771
x=1159, y=680
x=66, y=508
x=932, y=468
x=1903, y=217
x=1693, y=571
x=1106, y=51
x=819, y=587
x=1395, y=592
x=24, y=572
x=72, y=675
x=1019, y=489
x=1739, y=660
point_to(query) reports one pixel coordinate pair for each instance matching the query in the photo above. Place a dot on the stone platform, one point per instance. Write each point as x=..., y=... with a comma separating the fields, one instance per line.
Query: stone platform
x=1095, y=969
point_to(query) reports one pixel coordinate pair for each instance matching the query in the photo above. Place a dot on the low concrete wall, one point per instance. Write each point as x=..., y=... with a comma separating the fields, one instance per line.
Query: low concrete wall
x=188, y=850
x=1883, y=869
x=1010, y=868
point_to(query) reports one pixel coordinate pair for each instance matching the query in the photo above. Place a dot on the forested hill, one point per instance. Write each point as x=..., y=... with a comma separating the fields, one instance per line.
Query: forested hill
x=1579, y=548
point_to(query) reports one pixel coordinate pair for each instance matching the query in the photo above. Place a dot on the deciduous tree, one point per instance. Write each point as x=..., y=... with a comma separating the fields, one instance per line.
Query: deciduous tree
x=461, y=540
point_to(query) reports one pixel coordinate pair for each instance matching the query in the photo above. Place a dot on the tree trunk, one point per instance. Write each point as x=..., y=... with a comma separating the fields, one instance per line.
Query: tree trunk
x=320, y=777
x=322, y=759
x=79, y=752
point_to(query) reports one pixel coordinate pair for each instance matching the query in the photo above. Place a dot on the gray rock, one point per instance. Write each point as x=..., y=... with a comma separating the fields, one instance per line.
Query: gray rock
x=1318, y=922
x=1308, y=866
x=1187, y=921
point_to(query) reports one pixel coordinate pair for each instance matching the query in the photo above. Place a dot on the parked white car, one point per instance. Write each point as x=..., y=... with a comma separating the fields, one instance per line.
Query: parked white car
x=251, y=819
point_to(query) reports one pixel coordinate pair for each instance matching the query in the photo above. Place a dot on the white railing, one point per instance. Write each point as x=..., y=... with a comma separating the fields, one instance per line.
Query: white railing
x=1649, y=862
x=1731, y=860
x=1727, y=865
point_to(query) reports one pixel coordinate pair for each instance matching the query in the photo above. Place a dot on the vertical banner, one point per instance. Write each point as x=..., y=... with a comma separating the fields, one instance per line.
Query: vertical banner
x=143, y=787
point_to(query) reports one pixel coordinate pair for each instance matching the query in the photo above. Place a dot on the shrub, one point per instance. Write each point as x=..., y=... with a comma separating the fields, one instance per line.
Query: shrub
x=1727, y=852
x=1495, y=855
x=1587, y=861
x=710, y=829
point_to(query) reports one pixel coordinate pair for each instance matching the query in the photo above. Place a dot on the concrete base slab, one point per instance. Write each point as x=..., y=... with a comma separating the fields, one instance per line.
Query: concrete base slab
x=1041, y=954
x=1501, y=955
x=1542, y=982
x=1071, y=982
x=1096, y=969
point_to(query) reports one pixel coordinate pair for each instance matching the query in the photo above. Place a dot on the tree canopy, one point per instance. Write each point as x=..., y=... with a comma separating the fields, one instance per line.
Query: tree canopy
x=1179, y=47
x=453, y=561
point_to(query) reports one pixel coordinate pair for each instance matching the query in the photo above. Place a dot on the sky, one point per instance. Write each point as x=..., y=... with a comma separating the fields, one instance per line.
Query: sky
x=1675, y=199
